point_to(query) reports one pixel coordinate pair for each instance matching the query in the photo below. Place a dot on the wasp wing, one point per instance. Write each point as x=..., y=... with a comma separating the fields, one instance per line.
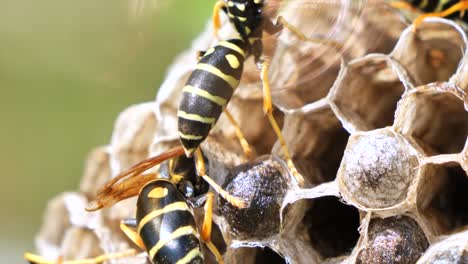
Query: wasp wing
x=128, y=183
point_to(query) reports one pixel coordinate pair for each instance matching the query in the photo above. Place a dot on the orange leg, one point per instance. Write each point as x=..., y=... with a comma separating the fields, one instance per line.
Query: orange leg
x=200, y=164
x=245, y=145
x=132, y=235
x=403, y=5
x=206, y=228
x=459, y=7
x=281, y=22
x=268, y=109
x=216, y=20
x=33, y=258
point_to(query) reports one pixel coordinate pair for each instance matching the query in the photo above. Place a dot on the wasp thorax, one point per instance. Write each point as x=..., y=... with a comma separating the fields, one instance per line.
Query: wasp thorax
x=262, y=185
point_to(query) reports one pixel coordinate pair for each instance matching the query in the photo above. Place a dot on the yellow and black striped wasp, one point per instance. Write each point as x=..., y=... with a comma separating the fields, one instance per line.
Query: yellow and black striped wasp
x=435, y=8
x=165, y=222
x=207, y=92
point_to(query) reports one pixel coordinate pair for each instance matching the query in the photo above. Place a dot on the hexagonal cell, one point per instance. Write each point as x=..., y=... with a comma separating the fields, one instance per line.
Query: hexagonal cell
x=316, y=141
x=377, y=170
x=80, y=243
x=251, y=255
x=441, y=197
x=451, y=249
x=96, y=173
x=397, y=239
x=365, y=94
x=303, y=72
x=433, y=52
x=266, y=255
x=133, y=134
x=301, y=77
x=331, y=225
x=262, y=184
x=434, y=116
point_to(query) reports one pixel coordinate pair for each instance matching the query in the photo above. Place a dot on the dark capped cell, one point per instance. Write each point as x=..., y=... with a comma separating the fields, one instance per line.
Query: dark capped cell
x=262, y=184
x=396, y=240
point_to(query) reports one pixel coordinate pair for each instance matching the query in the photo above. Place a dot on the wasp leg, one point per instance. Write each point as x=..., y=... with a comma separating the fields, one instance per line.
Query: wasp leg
x=220, y=5
x=245, y=145
x=282, y=23
x=403, y=5
x=268, y=109
x=36, y=259
x=459, y=7
x=206, y=227
x=126, y=227
x=200, y=165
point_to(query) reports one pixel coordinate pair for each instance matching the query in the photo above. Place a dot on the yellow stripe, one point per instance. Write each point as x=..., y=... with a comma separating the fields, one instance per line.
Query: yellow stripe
x=242, y=19
x=189, y=137
x=181, y=231
x=234, y=47
x=241, y=7
x=201, y=92
x=195, y=117
x=423, y=4
x=440, y=5
x=233, y=82
x=177, y=206
x=191, y=255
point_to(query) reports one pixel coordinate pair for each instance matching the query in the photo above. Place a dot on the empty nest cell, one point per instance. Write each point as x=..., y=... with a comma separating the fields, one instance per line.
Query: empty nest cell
x=432, y=53
x=435, y=117
x=444, y=207
x=366, y=93
x=316, y=140
x=332, y=226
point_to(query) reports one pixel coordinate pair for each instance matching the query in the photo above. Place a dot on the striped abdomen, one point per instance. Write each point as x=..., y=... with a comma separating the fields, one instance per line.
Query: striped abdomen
x=166, y=225
x=208, y=90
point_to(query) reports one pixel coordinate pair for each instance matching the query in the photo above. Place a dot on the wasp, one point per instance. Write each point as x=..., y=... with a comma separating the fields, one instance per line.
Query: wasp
x=205, y=96
x=435, y=8
x=165, y=224
x=218, y=73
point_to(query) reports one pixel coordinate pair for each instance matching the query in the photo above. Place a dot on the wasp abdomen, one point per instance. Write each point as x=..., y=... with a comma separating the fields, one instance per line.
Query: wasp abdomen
x=208, y=90
x=166, y=224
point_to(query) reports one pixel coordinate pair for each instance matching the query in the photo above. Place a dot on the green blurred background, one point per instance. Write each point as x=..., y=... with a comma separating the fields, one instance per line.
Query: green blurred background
x=67, y=68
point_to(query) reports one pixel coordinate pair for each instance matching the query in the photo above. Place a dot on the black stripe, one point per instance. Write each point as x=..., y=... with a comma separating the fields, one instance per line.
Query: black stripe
x=166, y=224
x=415, y=3
x=210, y=83
x=146, y=205
x=177, y=249
x=431, y=6
x=192, y=143
x=195, y=104
x=189, y=127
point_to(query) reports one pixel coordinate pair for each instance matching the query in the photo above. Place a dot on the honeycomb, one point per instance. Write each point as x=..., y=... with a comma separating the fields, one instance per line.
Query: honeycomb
x=379, y=130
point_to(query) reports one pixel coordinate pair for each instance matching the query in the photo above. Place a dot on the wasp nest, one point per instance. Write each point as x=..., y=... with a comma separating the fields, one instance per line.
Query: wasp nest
x=378, y=128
